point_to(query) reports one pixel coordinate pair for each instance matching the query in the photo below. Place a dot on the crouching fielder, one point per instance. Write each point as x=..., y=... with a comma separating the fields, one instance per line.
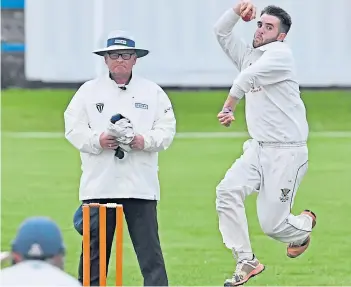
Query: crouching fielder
x=275, y=159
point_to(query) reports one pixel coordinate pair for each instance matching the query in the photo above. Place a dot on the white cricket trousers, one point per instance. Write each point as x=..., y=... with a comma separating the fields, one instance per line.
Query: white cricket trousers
x=275, y=171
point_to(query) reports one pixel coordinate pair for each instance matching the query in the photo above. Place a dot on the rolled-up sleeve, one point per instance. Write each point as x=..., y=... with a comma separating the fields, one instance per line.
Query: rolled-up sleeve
x=77, y=129
x=161, y=136
x=274, y=66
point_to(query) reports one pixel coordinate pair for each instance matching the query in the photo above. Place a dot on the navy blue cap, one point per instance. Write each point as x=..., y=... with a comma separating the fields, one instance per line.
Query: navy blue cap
x=38, y=237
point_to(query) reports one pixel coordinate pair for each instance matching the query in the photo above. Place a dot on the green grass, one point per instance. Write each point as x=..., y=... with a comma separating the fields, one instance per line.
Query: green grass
x=41, y=177
x=42, y=110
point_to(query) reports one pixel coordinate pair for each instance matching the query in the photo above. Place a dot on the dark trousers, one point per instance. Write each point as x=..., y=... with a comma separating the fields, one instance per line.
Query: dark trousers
x=141, y=218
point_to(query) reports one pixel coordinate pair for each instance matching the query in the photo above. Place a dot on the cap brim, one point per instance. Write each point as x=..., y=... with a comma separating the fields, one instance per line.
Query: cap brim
x=139, y=52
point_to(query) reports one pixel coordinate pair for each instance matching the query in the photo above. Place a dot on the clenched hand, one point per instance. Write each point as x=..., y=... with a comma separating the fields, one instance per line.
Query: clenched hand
x=225, y=118
x=137, y=143
x=108, y=142
x=244, y=7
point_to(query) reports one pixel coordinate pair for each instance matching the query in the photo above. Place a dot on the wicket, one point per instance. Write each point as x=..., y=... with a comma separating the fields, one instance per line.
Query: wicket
x=102, y=242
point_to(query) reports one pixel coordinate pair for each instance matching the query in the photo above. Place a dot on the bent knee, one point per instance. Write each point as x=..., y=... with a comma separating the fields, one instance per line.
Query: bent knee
x=270, y=226
x=223, y=201
x=224, y=189
x=268, y=230
x=229, y=196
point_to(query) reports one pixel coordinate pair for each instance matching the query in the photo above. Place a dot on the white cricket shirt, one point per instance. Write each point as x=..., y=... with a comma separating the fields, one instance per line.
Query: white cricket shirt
x=35, y=273
x=88, y=115
x=274, y=109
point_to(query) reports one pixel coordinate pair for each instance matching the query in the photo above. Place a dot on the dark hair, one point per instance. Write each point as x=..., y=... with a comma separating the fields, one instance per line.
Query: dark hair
x=284, y=17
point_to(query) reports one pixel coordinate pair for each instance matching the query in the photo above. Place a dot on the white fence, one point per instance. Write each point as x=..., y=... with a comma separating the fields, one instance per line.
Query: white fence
x=60, y=35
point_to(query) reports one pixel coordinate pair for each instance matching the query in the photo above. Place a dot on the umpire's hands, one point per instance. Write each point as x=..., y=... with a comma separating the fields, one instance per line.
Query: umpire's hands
x=137, y=143
x=108, y=142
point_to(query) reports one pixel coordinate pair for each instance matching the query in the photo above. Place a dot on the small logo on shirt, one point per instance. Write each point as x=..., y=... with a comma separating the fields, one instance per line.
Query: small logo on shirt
x=255, y=90
x=141, y=106
x=100, y=107
x=168, y=109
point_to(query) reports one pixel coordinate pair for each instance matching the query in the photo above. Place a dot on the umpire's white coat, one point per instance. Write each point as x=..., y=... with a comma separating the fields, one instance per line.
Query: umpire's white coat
x=87, y=116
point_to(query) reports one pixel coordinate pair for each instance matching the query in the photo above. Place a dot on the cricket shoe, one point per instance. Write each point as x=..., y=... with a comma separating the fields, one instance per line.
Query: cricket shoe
x=295, y=250
x=245, y=269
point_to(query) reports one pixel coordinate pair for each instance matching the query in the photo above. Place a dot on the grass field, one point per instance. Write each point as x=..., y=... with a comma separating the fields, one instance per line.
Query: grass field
x=40, y=176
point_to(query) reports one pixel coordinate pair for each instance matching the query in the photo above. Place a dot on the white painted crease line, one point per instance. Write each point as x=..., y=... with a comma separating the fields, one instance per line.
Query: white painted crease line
x=190, y=135
x=211, y=135
x=184, y=135
x=32, y=135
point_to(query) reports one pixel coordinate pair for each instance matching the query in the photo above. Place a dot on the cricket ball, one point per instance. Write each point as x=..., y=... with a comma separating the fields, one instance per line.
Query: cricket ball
x=247, y=17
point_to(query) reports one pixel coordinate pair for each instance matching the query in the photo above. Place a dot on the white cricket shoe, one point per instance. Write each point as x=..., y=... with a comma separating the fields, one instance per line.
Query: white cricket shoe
x=244, y=270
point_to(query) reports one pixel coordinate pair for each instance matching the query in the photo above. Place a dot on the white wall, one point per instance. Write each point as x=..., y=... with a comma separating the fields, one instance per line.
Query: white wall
x=60, y=35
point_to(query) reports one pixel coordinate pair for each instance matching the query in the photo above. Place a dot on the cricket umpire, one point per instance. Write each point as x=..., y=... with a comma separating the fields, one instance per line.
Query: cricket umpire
x=119, y=122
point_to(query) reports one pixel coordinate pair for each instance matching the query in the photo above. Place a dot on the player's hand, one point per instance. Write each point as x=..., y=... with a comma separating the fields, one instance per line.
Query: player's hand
x=107, y=141
x=225, y=118
x=244, y=7
x=137, y=143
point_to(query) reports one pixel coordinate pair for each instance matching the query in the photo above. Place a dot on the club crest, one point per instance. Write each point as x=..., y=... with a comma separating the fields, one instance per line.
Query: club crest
x=100, y=107
x=285, y=195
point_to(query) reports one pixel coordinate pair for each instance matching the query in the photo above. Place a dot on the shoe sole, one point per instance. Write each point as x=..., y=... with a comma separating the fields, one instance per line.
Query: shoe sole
x=259, y=269
x=299, y=250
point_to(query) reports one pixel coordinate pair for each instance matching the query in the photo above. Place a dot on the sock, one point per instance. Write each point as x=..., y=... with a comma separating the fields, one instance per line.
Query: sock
x=239, y=256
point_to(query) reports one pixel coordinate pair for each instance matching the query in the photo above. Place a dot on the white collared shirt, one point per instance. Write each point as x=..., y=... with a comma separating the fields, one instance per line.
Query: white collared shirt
x=274, y=109
x=35, y=273
x=88, y=115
